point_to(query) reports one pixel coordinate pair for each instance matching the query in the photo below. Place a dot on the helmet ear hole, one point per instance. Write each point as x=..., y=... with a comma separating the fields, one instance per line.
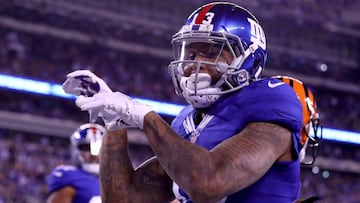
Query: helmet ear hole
x=257, y=70
x=256, y=63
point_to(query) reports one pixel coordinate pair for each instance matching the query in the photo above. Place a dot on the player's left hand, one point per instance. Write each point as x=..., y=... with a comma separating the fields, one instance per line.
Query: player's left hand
x=85, y=83
x=131, y=112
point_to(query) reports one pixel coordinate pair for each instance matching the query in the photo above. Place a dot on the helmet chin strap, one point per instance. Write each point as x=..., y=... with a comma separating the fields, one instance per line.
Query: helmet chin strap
x=91, y=167
x=197, y=90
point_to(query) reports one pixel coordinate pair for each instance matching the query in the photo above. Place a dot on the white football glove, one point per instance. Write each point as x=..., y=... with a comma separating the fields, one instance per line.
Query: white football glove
x=86, y=83
x=130, y=112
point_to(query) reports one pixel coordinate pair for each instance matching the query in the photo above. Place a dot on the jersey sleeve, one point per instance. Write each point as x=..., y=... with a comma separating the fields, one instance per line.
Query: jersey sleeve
x=277, y=104
x=60, y=177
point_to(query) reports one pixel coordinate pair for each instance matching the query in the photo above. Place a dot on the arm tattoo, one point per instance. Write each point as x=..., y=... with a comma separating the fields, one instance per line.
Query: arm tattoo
x=231, y=166
x=115, y=168
x=121, y=183
x=253, y=151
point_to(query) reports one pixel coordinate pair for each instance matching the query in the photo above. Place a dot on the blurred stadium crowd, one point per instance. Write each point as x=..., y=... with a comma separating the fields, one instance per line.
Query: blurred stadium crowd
x=129, y=46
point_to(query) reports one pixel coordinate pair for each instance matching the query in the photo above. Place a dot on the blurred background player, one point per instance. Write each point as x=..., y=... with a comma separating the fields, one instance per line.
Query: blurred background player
x=79, y=183
x=311, y=133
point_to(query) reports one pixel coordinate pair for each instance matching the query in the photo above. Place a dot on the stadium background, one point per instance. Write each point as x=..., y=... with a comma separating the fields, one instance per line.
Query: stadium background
x=127, y=42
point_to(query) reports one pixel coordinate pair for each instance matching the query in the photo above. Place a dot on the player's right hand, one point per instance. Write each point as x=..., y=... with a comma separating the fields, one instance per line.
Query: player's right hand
x=129, y=111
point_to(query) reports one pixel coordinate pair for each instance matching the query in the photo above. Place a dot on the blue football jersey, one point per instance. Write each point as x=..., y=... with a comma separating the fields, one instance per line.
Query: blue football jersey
x=265, y=100
x=87, y=185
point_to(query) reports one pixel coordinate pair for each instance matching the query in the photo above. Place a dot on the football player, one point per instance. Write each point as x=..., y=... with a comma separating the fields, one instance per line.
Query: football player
x=79, y=183
x=238, y=140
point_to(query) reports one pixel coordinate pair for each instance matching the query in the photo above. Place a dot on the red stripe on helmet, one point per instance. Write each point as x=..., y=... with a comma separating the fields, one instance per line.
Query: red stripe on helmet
x=202, y=14
x=94, y=131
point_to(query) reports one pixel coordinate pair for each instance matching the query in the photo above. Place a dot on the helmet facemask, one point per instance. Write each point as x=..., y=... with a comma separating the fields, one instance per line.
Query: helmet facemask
x=314, y=136
x=88, y=156
x=198, y=88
